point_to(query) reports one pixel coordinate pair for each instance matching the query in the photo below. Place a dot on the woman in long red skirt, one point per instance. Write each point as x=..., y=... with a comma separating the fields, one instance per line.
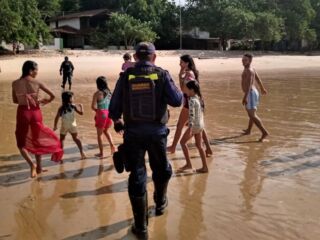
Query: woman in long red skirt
x=31, y=135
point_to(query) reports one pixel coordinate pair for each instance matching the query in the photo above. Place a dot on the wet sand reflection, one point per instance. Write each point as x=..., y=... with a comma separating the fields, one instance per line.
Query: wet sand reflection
x=266, y=191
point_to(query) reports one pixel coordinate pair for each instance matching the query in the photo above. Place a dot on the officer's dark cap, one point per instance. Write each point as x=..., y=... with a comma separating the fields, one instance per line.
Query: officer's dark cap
x=145, y=48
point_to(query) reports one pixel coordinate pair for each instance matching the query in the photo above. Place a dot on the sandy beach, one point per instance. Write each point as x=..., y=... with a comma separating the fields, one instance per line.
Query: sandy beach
x=265, y=191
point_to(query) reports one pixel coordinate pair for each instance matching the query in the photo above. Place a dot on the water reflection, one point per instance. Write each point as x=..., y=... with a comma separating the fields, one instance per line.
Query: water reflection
x=193, y=188
x=253, y=178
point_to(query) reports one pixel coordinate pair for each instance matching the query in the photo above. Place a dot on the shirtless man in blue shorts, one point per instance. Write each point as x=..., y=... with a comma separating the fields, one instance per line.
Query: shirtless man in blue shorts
x=251, y=96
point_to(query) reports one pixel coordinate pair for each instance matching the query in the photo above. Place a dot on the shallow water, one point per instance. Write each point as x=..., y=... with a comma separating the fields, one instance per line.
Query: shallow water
x=254, y=190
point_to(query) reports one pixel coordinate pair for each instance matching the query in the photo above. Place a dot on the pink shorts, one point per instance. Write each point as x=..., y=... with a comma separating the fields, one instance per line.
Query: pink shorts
x=102, y=119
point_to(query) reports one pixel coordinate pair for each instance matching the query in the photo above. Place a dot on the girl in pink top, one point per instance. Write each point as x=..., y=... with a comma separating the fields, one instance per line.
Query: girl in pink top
x=127, y=62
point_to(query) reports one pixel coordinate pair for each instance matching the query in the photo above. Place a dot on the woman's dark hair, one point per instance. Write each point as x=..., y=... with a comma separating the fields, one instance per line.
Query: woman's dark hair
x=194, y=85
x=188, y=59
x=27, y=67
x=127, y=56
x=102, y=85
x=66, y=102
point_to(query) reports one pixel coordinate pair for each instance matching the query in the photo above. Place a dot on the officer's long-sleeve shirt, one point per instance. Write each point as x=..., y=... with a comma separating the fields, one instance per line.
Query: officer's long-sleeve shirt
x=173, y=97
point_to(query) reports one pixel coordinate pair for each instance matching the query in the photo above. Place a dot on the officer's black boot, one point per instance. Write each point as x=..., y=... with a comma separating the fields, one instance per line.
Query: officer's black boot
x=160, y=197
x=140, y=213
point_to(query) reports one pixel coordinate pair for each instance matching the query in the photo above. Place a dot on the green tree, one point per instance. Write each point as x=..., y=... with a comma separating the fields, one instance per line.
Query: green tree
x=298, y=15
x=70, y=5
x=21, y=21
x=268, y=27
x=316, y=21
x=48, y=8
x=123, y=27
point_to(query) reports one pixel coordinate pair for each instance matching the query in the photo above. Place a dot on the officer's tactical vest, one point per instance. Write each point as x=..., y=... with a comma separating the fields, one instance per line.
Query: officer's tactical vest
x=144, y=99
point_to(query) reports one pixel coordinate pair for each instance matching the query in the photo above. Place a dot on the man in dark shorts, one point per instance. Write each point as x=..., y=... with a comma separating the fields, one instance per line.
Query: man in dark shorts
x=66, y=70
x=141, y=96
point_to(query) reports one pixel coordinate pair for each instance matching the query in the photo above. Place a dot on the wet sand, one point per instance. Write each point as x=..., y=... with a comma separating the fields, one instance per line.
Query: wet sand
x=253, y=191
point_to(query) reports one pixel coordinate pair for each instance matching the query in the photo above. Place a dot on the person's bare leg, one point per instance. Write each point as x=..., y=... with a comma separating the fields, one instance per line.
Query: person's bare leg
x=99, y=138
x=62, y=137
x=204, y=168
x=183, y=118
x=257, y=121
x=109, y=137
x=26, y=156
x=206, y=143
x=39, y=165
x=183, y=142
x=250, y=124
x=79, y=144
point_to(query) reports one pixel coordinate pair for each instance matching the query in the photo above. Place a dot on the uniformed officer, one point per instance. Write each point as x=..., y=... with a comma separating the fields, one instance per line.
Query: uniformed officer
x=141, y=96
x=66, y=70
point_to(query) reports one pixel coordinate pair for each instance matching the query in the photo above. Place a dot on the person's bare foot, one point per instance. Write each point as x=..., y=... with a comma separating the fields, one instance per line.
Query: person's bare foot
x=99, y=155
x=171, y=149
x=202, y=170
x=33, y=171
x=184, y=168
x=83, y=156
x=41, y=170
x=208, y=152
x=263, y=137
x=246, y=132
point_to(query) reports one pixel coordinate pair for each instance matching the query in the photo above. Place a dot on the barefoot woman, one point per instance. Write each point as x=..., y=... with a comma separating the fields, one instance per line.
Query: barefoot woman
x=31, y=135
x=188, y=72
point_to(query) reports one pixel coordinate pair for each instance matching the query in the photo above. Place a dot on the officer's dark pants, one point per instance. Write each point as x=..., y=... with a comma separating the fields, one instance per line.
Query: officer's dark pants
x=67, y=77
x=137, y=146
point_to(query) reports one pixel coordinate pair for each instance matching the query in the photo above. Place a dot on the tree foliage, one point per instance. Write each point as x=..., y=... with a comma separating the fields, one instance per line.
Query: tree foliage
x=123, y=28
x=48, y=8
x=20, y=21
x=269, y=20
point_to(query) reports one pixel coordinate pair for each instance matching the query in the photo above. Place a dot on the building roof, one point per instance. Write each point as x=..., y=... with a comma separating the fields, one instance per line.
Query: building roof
x=90, y=13
x=66, y=29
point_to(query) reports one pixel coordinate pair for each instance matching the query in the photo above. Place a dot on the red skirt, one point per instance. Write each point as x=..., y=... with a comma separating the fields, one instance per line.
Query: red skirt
x=35, y=137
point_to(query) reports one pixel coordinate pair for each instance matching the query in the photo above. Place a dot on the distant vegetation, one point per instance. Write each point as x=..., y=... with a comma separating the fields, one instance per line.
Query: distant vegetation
x=278, y=24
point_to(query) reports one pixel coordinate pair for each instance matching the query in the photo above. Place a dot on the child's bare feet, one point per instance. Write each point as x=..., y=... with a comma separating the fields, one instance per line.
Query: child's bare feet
x=83, y=156
x=246, y=132
x=171, y=149
x=208, y=152
x=184, y=168
x=99, y=155
x=263, y=137
x=33, y=171
x=202, y=170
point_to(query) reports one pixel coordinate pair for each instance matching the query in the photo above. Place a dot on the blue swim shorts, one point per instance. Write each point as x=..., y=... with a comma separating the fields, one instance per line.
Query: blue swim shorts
x=253, y=99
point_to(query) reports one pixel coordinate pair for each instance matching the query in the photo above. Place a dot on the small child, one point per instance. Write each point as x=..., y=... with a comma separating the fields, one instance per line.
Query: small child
x=100, y=104
x=127, y=62
x=195, y=125
x=68, y=120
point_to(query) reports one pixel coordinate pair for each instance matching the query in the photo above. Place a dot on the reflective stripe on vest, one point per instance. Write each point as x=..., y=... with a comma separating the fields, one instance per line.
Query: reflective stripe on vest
x=152, y=76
